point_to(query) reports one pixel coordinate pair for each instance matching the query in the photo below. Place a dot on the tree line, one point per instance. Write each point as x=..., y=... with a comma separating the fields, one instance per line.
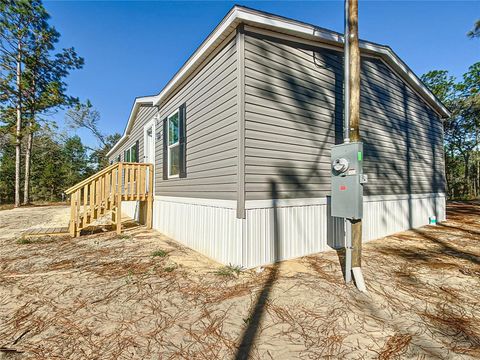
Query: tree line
x=462, y=128
x=36, y=161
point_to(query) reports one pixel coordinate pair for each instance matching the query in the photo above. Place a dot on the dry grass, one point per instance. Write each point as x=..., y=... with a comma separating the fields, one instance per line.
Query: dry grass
x=109, y=297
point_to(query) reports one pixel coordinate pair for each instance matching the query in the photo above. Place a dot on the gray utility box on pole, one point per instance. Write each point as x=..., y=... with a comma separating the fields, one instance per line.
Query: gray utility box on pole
x=347, y=180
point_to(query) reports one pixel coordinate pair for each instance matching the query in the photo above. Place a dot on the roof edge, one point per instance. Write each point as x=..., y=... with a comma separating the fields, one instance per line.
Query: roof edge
x=240, y=14
x=144, y=100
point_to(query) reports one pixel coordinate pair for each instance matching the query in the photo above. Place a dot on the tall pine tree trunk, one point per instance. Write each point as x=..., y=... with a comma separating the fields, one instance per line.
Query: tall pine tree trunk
x=28, y=153
x=18, y=130
x=28, y=156
x=477, y=180
x=466, y=161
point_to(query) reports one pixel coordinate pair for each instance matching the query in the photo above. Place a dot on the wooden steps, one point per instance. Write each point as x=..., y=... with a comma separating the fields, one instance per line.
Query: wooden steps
x=46, y=231
x=103, y=193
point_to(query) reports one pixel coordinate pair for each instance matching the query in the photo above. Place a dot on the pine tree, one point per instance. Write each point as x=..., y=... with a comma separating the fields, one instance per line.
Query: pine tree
x=17, y=22
x=44, y=74
x=31, y=75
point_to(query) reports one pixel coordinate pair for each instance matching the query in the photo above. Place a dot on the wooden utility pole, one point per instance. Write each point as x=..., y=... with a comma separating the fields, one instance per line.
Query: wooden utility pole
x=354, y=113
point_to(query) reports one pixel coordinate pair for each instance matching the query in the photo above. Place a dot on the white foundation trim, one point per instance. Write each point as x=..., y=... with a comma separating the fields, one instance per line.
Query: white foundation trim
x=400, y=197
x=260, y=204
x=227, y=204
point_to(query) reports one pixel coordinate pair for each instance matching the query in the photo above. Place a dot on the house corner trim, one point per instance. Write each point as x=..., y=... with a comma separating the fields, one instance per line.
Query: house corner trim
x=240, y=46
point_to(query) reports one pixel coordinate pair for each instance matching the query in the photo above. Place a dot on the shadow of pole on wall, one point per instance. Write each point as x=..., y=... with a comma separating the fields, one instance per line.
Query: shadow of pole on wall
x=256, y=314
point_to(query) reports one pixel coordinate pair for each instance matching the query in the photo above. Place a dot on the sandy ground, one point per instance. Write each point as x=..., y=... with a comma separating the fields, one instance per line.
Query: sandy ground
x=108, y=297
x=15, y=221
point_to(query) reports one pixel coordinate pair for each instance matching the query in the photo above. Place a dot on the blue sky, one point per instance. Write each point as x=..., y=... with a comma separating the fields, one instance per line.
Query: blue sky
x=132, y=48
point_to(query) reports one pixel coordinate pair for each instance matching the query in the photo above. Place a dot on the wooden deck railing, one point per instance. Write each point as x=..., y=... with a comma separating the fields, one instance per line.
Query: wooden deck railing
x=104, y=192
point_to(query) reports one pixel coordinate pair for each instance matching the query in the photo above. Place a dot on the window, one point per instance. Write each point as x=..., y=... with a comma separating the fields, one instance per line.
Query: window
x=134, y=153
x=131, y=154
x=173, y=145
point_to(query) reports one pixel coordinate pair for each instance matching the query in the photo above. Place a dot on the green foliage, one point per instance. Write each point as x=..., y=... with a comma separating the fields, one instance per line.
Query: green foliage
x=229, y=270
x=475, y=32
x=75, y=161
x=462, y=129
x=24, y=241
x=47, y=174
x=56, y=165
x=159, y=253
x=441, y=84
x=7, y=171
x=169, y=268
x=98, y=157
x=123, y=237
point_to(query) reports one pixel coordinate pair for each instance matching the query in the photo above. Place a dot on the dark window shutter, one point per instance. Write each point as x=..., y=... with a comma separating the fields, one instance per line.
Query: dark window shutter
x=165, y=149
x=125, y=156
x=137, y=155
x=183, y=140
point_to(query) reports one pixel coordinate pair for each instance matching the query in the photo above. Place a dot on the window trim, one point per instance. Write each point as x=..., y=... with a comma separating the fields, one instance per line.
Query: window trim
x=177, y=144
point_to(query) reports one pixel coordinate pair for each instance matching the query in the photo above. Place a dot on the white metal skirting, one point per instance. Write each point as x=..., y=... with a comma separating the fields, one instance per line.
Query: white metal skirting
x=289, y=230
x=209, y=229
x=388, y=215
x=131, y=209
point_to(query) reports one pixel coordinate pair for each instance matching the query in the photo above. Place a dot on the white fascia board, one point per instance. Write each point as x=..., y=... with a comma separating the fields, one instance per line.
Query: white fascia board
x=146, y=100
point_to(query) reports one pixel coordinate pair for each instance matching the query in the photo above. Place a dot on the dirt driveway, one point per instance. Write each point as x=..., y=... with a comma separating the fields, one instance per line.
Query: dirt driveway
x=15, y=221
x=144, y=296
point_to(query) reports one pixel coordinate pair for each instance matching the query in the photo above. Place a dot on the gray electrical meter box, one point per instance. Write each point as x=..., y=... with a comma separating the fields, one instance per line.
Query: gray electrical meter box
x=347, y=180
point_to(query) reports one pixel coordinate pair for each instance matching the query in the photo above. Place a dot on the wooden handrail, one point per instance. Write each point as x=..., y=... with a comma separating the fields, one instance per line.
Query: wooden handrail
x=97, y=175
x=90, y=179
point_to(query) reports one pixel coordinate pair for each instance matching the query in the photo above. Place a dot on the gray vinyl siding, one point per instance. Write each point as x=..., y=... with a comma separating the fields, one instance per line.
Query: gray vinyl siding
x=294, y=114
x=145, y=114
x=211, y=131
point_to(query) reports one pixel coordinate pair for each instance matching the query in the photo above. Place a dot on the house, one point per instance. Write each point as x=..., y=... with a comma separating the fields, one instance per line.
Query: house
x=240, y=140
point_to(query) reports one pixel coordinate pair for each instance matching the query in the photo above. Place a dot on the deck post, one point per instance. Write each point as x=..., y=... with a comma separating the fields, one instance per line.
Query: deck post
x=119, y=199
x=95, y=198
x=72, y=215
x=114, y=194
x=86, y=214
x=78, y=225
x=150, y=198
